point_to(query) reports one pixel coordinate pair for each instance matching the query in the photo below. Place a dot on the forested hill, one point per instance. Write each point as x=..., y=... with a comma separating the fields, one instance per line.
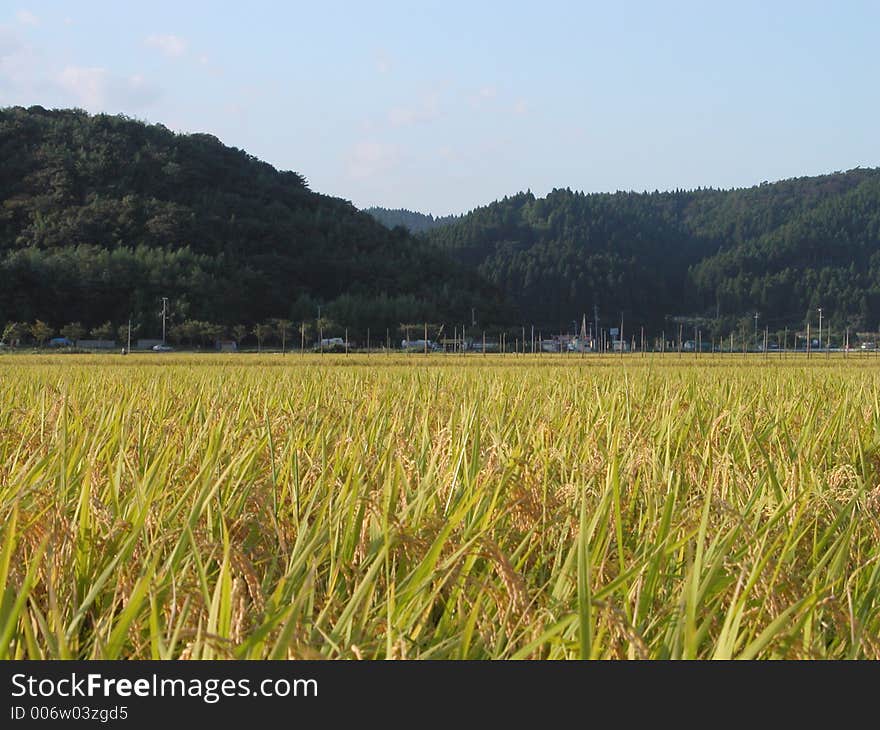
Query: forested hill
x=781, y=249
x=411, y=220
x=101, y=216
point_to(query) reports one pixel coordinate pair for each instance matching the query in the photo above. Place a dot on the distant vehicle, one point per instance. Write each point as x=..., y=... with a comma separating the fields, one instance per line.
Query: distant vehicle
x=419, y=345
x=869, y=345
x=331, y=344
x=61, y=342
x=162, y=348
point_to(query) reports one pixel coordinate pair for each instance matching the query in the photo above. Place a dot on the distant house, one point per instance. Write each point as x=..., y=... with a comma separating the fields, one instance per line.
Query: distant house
x=96, y=344
x=143, y=344
x=477, y=346
x=61, y=342
x=226, y=346
x=418, y=345
x=331, y=343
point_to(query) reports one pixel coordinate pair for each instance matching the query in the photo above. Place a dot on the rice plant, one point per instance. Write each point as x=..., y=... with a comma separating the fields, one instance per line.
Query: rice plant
x=439, y=507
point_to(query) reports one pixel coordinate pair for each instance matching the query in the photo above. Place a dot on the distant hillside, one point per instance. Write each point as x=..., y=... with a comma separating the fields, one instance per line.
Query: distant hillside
x=101, y=216
x=412, y=221
x=781, y=249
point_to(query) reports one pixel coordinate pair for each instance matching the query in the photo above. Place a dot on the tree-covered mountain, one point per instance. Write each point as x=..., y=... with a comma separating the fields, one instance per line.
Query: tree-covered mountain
x=781, y=249
x=101, y=216
x=414, y=222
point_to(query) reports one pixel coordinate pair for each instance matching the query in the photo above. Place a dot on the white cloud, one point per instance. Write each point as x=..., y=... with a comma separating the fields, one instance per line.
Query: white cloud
x=427, y=110
x=87, y=85
x=18, y=67
x=447, y=153
x=383, y=62
x=96, y=89
x=170, y=45
x=26, y=17
x=483, y=96
x=9, y=42
x=368, y=159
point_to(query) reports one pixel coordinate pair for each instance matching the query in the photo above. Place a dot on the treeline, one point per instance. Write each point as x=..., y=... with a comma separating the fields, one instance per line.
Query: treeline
x=413, y=222
x=711, y=256
x=189, y=333
x=102, y=216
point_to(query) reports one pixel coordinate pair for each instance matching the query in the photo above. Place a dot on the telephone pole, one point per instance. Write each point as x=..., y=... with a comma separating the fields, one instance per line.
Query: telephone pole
x=820, y=327
x=756, y=331
x=596, y=319
x=164, y=314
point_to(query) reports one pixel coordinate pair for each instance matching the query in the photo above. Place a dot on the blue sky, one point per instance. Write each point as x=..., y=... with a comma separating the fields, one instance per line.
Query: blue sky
x=444, y=106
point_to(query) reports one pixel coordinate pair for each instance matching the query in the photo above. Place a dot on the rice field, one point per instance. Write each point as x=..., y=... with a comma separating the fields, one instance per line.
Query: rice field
x=439, y=507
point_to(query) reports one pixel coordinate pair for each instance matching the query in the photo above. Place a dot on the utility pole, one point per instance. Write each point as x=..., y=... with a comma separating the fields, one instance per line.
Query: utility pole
x=820, y=327
x=596, y=320
x=756, y=331
x=164, y=314
x=128, y=349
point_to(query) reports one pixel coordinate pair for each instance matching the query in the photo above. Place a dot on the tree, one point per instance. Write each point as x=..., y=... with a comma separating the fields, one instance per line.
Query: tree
x=262, y=332
x=13, y=332
x=96, y=239
x=103, y=332
x=239, y=332
x=283, y=328
x=41, y=332
x=73, y=331
x=212, y=332
x=122, y=333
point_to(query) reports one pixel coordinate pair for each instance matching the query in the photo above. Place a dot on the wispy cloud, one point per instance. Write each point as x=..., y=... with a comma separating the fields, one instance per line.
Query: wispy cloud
x=26, y=17
x=426, y=110
x=19, y=66
x=10, y=44
x=383, y=62
x=96, y=89
x=369, y=158
x=483, y=96
x=170, y=45
x=88, y=85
